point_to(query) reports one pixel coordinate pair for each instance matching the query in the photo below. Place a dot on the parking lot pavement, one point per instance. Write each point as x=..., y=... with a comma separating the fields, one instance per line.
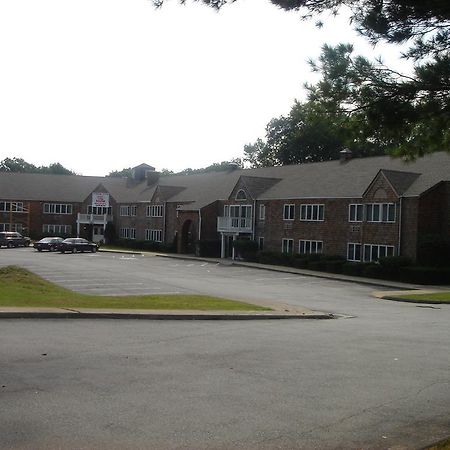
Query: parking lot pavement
x=376, y=378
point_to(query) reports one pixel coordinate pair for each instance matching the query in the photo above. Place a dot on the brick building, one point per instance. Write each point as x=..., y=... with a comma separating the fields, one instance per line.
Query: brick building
x=360, y=208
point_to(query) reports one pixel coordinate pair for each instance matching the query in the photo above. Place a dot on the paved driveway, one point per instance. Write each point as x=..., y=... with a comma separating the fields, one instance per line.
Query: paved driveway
x=378, y=377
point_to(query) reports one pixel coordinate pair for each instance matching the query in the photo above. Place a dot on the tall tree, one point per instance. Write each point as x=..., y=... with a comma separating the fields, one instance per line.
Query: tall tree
x=20, y=165
x=413, y=108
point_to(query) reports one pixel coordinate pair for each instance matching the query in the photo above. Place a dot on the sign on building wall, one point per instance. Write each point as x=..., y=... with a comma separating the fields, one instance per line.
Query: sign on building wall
x=100, y=199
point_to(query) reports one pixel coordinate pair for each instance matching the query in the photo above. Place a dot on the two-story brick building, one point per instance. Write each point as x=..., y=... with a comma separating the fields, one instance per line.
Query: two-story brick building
x=360, y=208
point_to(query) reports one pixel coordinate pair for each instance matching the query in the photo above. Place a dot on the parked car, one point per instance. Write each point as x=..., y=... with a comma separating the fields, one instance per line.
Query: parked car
x=48, y=243
x=12, y=239
x=77, y=245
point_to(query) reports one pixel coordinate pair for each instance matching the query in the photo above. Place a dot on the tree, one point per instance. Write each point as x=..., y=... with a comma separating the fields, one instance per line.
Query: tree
x=313, y=131
x=409, y=114
x=20, y=165
x=413, y=109
x=127, y=172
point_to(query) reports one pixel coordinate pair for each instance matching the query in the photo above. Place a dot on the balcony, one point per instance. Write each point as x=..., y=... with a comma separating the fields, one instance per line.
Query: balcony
x=234, y=224
x=99, y=219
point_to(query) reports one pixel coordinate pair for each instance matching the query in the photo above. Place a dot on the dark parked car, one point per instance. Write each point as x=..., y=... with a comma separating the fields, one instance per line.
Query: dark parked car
x=12, y=239
x=48, y=243
x=77, y=245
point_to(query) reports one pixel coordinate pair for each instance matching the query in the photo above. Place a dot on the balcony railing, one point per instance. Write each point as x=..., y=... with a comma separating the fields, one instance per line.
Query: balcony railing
x=94, y=218
x=234, y=224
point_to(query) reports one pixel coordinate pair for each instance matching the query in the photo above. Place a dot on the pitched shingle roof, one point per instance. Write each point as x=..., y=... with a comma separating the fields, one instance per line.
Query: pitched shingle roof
x=331, y=179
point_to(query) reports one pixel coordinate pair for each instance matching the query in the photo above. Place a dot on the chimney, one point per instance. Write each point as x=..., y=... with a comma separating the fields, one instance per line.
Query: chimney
x=345, y=155
x=151, y=176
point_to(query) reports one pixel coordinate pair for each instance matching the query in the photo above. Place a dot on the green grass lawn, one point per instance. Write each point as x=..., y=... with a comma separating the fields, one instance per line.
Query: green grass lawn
x=443, y=297
x=19, y=287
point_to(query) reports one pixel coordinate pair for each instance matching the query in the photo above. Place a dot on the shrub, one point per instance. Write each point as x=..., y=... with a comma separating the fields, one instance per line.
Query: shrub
x=335, y=265
x=352, y=268
x=433, y=251
x=209, y=247
x=425, y=275
x=283, y=259
x=299, y=261
x=372, y=270
x=246, y=249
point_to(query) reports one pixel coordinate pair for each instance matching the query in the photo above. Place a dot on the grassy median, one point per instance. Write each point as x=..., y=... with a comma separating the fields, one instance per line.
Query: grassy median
x=22, y=288
x=442, y=297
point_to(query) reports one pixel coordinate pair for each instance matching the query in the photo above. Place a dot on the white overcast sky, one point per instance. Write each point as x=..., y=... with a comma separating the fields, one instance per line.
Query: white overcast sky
x=99, y=85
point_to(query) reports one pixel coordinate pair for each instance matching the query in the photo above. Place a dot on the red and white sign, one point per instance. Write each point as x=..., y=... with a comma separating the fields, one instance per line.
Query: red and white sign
x=100, y=199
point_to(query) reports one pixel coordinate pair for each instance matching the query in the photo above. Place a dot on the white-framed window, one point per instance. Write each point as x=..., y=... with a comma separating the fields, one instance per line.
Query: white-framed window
x=124, y=210
x=154, y=211
x=288, y=212
x=313, y=212
x=373, y=252
x=356, y=212
x=127, y=233
x=99, y=210
x=56, y=229
x=153, y=235
x=353, y=251
x=133, y=210
x=380, y=212
x=16, y=227
x=11, y=206
x=57, y=208
x=261, y=243
x=241, y=195
x=287, y=246
x=306, y=246
x=262, y=212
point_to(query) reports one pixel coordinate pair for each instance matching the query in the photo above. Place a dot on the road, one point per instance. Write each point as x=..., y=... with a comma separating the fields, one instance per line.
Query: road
x=377, y=377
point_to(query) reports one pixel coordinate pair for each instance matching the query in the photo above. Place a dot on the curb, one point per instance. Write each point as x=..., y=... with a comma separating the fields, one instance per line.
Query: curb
x=410, y=300
x=155, y=316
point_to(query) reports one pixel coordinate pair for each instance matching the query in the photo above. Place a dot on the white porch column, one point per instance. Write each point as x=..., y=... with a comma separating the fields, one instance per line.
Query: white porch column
x=232, y=254
x=222, y=247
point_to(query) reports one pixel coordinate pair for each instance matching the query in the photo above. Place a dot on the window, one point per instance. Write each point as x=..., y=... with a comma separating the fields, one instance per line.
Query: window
x=262, y=212
x=241, y=195
x=287, y=246
x=312, y=212
x=306, y=247
x=124, y=210
x=353, y=252
x=57, y=208
x=373, y=252
x=155, y=211
x=288, y=212
x=355, y=212
x=127, y=233
x=57, y=229
x=11, y=206
x=99, y=210
x=133, y=210
x=380, y=212
x=261, y=243
x=16, y=227
x=153, y=235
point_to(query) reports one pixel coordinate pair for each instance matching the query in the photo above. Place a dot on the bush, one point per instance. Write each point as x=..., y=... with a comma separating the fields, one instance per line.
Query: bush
x=433, y=251
x=208, y=247
x=425, y=275
x=246, y=249
x=276, y=258
x=334, y=266
x=372, y=270
x=352, y=268
x=299, y=261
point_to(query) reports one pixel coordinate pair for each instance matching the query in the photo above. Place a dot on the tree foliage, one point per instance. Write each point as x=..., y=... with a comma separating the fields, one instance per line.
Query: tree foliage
x=20, y=165
x=408, y=113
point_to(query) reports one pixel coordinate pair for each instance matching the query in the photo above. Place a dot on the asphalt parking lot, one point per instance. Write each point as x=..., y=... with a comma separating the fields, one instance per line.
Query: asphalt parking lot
x=377, y=377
